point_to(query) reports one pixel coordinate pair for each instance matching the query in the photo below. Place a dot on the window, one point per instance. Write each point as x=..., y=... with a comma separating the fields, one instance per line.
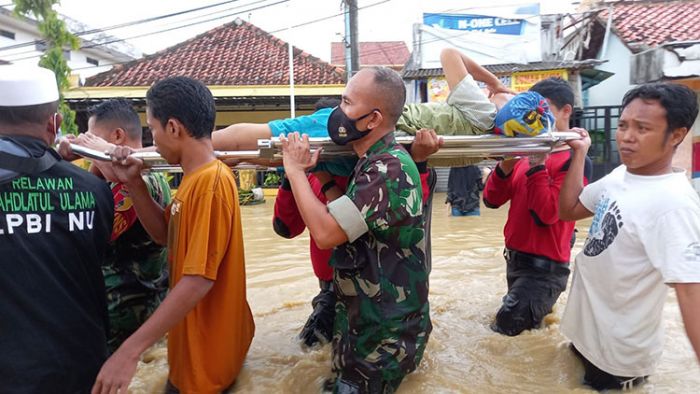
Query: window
x=92, y=61
x=7, y=34
x=41, y=46
x=66, y=54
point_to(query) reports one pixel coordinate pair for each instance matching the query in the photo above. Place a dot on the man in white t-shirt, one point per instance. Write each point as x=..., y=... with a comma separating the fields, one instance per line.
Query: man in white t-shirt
x=645, y=236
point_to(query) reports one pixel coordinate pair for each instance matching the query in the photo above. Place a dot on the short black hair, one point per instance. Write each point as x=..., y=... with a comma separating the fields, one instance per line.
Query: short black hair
x=557, y=90
x=392, y=91
x=680, y=102
x=185, y=99
x=27, y=114
x=120, y=113
x=326, y=102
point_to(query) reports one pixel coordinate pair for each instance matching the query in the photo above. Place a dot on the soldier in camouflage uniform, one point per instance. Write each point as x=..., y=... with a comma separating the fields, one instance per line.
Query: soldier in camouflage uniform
x=380, y=271
x=135, y=268
x=382, y=319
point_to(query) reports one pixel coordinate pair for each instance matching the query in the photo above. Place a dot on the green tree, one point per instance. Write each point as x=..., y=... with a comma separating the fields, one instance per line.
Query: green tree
x=57, y=39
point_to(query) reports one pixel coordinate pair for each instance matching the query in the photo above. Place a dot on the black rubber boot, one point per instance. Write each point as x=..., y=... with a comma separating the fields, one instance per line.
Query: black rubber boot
x=319, y=325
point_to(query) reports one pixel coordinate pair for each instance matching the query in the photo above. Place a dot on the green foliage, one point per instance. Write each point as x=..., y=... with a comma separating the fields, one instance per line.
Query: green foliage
x=68, y=126
x=55, y=30
x=38, y=8
x=245, y=197
x=271, y=179
x=57, y=39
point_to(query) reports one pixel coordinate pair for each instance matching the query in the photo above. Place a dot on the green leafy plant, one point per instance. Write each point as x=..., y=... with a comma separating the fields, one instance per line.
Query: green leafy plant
x=272, y=179
x=57, y=39
x=245, y=197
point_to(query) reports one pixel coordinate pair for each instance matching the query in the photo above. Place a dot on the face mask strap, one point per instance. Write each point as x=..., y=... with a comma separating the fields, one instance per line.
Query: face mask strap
x=56, y=127
x=367, y=114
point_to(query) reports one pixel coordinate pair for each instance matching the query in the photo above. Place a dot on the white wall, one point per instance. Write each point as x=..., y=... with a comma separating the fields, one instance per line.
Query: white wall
x=29, y=55
x=611, y=91
x=78, y=63
x=21, y=36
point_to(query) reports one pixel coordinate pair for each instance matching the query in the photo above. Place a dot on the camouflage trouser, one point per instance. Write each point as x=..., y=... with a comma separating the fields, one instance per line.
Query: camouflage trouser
x=127, y=315
x=356, y=383
x=369, y=357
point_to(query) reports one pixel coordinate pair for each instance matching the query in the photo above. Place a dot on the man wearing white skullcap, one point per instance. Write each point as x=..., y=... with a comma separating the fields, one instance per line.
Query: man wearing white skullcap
x=55, y=222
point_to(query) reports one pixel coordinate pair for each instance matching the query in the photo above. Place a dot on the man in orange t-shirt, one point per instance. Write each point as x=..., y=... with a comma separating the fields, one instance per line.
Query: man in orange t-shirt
x=206, y=314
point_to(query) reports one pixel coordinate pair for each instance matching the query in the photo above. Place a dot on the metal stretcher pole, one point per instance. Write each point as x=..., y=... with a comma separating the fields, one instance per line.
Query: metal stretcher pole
x=155, y=162
x=454, y=147
x=488, y=145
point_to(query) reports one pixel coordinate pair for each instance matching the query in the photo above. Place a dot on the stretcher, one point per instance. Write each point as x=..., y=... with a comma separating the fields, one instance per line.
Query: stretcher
x=473, y=146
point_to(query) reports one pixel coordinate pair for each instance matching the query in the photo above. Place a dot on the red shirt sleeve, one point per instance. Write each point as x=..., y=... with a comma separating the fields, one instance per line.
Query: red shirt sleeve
x=499, y=187
x=544, y=184
x=424, y=185
x=543, y=193
x=287, y=220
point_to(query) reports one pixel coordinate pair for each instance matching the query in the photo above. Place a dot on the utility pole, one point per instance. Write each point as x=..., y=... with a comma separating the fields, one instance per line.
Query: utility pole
x=346, y=43
x=292, y=110
x=351, y=33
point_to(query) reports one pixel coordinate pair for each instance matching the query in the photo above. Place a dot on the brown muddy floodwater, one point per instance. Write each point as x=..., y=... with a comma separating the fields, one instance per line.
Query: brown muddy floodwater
x=463, y=354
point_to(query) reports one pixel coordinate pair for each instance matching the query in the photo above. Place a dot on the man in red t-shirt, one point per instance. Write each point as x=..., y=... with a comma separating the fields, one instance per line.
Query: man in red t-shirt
x=537, y=244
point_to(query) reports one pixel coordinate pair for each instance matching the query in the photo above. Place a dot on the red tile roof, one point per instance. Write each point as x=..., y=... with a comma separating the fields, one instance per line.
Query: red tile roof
x=237, y=53
x=646, y=24
x=377, y=53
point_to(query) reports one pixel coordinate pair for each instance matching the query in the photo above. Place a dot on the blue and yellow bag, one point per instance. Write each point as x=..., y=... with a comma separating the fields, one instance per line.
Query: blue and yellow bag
x=526, y=115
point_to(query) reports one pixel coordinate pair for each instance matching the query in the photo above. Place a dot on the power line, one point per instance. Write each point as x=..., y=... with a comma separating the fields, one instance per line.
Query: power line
x=126, y=24
x=383, y=49
x=158, y=32
x=137, y=22
x=380, y=50
x=209, y=20
x=214, y=13
x=184, y=26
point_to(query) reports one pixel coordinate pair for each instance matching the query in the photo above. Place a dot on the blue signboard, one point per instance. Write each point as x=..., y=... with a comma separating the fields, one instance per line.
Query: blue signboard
x=466, y=22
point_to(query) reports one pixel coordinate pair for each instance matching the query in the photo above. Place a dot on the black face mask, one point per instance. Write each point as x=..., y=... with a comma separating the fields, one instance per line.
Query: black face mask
x=342, y=129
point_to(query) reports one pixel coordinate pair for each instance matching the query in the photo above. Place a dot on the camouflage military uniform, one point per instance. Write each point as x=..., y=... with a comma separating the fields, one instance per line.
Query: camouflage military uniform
x=381, y=278
x=135, y=268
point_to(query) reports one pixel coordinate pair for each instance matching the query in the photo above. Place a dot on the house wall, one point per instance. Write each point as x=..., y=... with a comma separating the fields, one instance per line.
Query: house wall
x=29, y=55
x=79, y=64
x=611, y=91
x=684, y=155
x=22, y=35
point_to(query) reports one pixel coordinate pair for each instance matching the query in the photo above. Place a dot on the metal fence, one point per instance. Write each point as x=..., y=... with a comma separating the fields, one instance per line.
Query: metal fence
x=601, y=123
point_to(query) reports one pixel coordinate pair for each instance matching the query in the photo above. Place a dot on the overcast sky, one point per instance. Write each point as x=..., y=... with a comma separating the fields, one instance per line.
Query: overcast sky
x=388, y=20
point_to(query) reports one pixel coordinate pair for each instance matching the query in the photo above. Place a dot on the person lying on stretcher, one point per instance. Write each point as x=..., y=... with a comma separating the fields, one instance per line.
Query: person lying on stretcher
x=468, y=111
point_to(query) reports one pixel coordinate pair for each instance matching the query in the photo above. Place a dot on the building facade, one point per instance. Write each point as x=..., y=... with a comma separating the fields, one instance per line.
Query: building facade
x=21, y=43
